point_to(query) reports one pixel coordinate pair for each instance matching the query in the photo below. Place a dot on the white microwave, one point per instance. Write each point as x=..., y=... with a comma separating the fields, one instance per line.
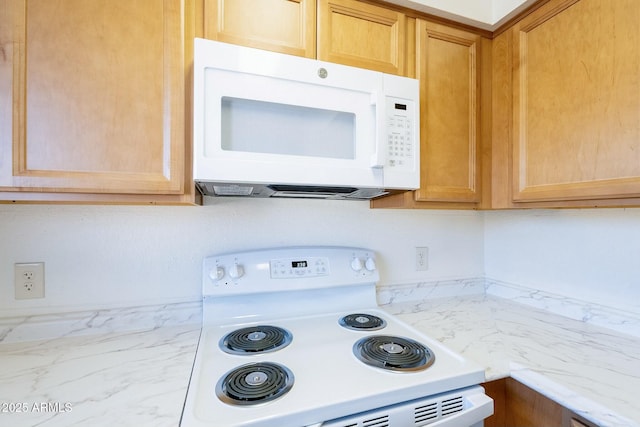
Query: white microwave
x=273, y=125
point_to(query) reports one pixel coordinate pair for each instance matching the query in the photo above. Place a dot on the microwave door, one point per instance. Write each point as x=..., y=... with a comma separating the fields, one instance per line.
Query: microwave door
x=289, y=131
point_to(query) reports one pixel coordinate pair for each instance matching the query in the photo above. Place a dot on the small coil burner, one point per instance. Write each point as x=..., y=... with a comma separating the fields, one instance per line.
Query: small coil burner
x=254, y=383
x=393, y=353
x=256, y=339
x=358, y=322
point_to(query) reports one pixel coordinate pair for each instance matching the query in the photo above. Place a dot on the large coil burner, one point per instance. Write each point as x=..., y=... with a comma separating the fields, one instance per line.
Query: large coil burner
x=254, y=383
x=256, y=339
x=393, y=353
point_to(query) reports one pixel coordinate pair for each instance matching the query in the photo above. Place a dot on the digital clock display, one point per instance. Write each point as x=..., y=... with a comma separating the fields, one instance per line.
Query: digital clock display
x=299, y=264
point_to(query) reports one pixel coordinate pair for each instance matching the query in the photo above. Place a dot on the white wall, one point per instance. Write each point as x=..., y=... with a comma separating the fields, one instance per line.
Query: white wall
x=591, y=254
x=106, y=256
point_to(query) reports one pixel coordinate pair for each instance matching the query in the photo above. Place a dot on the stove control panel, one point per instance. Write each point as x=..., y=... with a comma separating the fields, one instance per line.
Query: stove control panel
x=302, y=267
x=291, y=268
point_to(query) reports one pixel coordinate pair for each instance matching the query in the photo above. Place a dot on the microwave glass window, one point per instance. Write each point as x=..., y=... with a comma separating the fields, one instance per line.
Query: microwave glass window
x=286, y=129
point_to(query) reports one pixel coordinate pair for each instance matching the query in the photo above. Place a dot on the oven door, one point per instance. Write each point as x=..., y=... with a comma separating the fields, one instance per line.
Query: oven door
x=462, y=408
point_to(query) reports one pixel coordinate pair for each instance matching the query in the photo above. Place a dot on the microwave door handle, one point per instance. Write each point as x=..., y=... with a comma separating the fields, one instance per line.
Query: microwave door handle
x=378, y=158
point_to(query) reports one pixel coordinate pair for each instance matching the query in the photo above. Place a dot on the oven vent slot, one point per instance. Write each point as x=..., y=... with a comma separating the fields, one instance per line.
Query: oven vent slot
x=377, y=422
x=419, y=412
x=433, y=411
x=426, y=412
x=451, y=406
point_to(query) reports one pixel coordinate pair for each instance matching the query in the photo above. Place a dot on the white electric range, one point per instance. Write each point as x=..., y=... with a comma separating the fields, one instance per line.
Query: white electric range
x=293, y=337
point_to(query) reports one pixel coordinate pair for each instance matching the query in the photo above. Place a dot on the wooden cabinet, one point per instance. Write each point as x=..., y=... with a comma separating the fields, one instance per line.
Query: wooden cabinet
x=567, y=106
x=348, y=32
x=517, y=405
x=286, y=26
x=449, y=71
x=362, y=35
x=453, y=66
x=93, y=100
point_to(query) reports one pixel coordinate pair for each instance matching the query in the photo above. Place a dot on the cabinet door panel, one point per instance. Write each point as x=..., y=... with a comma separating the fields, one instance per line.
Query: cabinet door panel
x=98, y=97
x=361, y=35
x=449, y=66
x=286, y=26
x=577, y=101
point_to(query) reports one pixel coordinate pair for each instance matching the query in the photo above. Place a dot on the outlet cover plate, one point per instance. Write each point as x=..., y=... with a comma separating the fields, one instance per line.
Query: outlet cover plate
x=29, y=280
x=422, y=258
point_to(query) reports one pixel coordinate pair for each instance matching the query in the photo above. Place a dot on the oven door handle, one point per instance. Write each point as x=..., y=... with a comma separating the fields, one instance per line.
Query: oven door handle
x=481, y=407
x=477, y=407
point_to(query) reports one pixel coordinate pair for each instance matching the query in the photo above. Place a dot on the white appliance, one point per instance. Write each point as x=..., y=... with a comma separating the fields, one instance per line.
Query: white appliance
x=273, y=125
x=293, y=337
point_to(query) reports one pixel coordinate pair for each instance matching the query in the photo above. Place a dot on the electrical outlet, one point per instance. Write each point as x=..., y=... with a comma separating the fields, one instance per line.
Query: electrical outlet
x=29, y=280
x=422, y=258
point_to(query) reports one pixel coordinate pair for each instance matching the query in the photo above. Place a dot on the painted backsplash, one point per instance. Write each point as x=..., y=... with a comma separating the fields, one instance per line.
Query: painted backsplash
x=123, y=256
x=111, y=256
x=587, y=254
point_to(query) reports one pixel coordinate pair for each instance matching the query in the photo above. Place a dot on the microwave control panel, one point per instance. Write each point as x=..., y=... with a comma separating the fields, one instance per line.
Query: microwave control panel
x=400, y=133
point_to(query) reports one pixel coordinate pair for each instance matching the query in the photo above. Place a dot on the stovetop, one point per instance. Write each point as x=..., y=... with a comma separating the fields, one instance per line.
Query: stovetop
x=310, y=298
x=329, y=380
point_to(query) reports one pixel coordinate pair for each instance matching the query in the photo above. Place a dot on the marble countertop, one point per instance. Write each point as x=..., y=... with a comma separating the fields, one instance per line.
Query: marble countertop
x=140, y=378
x=592, y=370
x=114, y=379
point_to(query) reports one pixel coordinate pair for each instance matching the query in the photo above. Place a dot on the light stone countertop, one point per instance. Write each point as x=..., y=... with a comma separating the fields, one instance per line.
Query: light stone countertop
x=592, y=370
x=114, y=379
x=140, y=378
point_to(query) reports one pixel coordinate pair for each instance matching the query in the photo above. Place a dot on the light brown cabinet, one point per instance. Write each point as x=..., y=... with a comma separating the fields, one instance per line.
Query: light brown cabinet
x=453, y=66
x=285, y=26
x=93, y=100
x=518, y=405
x=515, y=404
x=347, y=32
x=95, y=97
x=567, y=106
x=449, y=71
x=362, y=35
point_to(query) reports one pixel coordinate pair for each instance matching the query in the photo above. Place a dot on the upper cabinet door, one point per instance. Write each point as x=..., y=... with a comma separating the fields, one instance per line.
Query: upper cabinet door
x=576, y=101
x=93, y=96
x=286, y=26
x=362, y=35
x=448, y=62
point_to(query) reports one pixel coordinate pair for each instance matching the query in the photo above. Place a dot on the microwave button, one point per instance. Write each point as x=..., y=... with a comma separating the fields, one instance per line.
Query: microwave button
x=323, y=73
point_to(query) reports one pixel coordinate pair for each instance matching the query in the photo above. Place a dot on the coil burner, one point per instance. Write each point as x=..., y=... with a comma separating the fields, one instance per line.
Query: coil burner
x=256, y=339
x=360, y=322
x=393, y=353
x=254, y=383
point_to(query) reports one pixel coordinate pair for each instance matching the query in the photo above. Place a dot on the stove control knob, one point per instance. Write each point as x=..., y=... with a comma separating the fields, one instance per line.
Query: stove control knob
x=370, y=264
x=356, y=264
x=217, y=273
x=236, y=271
